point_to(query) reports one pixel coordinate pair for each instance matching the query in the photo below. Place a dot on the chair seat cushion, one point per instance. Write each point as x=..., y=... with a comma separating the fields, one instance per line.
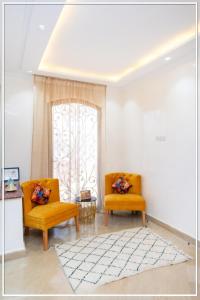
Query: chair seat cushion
x=46, y=216
x=124, y=202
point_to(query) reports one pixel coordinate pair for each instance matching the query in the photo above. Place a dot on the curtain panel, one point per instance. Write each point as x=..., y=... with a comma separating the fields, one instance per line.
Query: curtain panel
x=49, y=91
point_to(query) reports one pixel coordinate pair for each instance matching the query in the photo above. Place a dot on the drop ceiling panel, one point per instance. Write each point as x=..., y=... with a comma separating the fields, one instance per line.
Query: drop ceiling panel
x=105, y=39
x=37, y=39
x=92, y=41
x=16, y=23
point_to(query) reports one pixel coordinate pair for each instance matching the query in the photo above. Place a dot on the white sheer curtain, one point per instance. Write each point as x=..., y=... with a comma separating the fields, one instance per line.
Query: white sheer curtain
x=75, y=148
x=49, y=93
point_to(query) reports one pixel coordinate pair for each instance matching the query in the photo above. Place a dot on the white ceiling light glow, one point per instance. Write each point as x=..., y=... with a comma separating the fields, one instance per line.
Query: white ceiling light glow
x=41, y=27
x=73, y=19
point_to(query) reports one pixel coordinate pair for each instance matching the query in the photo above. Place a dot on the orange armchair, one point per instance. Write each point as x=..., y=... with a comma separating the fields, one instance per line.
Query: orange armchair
x=46, y=216
x=132, y=200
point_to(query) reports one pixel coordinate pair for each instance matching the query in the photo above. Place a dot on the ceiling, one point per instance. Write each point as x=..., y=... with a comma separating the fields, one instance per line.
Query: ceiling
x=98, y=43
x=24, y=41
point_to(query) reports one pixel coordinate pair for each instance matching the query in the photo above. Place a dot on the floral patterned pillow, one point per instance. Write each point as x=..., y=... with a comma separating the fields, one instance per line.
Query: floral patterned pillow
x=121, y=186
x=40, y=194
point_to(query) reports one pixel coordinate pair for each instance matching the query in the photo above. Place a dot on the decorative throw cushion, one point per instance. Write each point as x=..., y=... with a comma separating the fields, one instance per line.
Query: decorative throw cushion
x=40, y=194
x=121, y=186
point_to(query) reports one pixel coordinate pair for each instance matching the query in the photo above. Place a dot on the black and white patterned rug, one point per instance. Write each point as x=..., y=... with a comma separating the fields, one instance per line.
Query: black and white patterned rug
x=93, y=261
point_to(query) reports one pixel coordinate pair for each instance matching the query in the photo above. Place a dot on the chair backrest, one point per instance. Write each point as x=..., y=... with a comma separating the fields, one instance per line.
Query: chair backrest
x=28, y=187
x=133, y=179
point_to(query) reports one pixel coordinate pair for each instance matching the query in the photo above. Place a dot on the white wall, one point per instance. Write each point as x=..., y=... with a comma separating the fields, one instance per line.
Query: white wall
x=114, y=133
x=18, y=122
x=0, y=128
x=131, y=123
x=120, y=133
x=159, y=123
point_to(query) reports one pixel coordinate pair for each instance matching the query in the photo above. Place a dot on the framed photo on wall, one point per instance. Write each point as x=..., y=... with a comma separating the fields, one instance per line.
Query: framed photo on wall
x=12, y=173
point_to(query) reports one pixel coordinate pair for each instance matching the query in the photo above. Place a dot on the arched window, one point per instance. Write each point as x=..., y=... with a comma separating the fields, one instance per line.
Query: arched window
x=75, y=148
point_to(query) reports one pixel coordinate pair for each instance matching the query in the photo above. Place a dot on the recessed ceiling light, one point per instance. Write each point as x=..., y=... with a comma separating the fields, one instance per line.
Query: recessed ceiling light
x=41, y=27
x=168, y=58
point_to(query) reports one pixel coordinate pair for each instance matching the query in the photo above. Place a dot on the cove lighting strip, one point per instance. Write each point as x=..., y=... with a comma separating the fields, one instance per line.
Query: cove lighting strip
x=162, y=50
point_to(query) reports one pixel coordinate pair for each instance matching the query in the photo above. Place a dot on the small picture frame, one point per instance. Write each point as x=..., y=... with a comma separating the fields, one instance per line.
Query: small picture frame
x=12, y=173
x=85, y=195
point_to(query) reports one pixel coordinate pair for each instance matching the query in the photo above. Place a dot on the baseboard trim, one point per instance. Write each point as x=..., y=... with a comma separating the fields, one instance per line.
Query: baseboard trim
x=14, y=255
x=179, y=233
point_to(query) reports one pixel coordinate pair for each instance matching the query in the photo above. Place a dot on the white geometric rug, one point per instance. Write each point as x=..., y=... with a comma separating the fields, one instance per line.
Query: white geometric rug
x=94, y=261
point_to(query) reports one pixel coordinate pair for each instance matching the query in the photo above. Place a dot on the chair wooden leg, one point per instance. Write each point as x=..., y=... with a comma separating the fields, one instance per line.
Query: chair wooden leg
x=77, y=223
x=143, y=218
x=26, y=230
x=106, y=212
x=45, y=240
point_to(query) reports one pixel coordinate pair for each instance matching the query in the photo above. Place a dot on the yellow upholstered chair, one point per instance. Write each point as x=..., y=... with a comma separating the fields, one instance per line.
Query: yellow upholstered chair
x=46, y=216
x=132, y=200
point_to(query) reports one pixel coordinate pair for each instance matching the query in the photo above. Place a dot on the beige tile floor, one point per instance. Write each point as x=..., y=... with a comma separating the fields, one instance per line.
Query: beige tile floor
x=39, y=272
